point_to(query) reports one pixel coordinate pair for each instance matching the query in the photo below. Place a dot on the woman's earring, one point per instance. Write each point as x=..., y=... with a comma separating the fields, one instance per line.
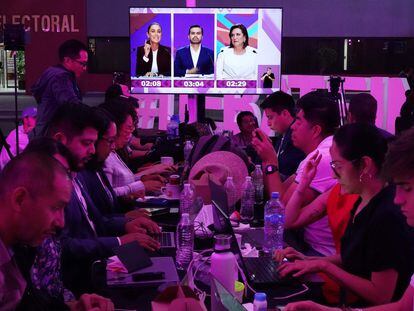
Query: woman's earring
x=362, y=174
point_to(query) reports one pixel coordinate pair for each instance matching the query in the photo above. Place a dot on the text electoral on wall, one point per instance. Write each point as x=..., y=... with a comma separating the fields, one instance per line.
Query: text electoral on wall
x=43, y=22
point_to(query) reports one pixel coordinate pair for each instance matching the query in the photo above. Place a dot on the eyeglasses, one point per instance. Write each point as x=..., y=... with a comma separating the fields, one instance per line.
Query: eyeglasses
x=83, y=64
x=335, y=167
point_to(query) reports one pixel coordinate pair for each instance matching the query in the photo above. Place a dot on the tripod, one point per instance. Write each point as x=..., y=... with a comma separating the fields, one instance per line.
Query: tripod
x=14, y=40
x=3, y=142
x=336, y=83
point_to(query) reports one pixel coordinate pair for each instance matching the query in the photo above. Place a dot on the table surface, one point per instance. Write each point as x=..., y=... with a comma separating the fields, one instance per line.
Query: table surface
x=140, y=298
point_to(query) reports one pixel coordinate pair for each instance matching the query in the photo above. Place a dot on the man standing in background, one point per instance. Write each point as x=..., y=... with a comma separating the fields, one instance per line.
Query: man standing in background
x=57, y=85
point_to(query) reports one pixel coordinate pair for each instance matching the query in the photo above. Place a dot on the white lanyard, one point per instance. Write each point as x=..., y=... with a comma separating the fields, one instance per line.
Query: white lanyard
x=82, y=201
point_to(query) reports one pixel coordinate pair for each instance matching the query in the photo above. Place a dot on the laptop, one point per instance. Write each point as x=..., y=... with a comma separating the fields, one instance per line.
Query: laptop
x=161, y=271
x=156, y=208
x=260, y=272
x=143, y=271
x=166, y=239
x=219, y=195
x=223, y=299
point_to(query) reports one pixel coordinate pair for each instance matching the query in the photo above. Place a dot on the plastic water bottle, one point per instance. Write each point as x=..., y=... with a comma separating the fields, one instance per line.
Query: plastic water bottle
x=185, y=242
x=223, y=266
x=188, y=146
x=274, y=224
x=247, y=200
x=231, y=194
x=172, y=127
x=186, y=199
x=257, y=178
x=196, y=208
x=260, y=302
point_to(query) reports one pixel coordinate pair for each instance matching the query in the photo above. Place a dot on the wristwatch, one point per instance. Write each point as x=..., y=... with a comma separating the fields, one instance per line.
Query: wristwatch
x=270, y=169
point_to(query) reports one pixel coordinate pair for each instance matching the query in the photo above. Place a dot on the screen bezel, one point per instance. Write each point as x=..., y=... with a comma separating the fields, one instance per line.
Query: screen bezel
x=231, y=91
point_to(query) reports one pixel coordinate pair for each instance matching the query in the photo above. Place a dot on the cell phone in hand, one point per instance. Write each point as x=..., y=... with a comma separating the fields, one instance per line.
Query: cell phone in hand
x=259, y=137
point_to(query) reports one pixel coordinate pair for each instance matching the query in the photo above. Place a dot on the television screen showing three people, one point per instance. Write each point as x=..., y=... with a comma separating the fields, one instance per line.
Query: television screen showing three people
x=205, y=50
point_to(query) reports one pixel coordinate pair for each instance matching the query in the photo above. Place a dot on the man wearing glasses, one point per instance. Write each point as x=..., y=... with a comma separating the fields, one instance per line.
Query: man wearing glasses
x=57, y=85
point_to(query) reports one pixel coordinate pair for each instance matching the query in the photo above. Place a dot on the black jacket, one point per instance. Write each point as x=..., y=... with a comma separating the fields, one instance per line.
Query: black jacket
x=163, y=61
x=55, y=87
x=288, y=155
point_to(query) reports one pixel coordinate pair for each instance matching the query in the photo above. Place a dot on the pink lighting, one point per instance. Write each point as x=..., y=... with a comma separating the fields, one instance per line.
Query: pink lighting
x=389, y=93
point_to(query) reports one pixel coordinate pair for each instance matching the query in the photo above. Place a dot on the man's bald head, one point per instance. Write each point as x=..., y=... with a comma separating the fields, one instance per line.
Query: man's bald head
x=35, y=171
x=34, y=190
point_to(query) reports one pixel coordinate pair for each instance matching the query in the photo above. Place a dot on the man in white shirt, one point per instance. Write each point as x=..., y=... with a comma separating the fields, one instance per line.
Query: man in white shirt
x=194, y=58
x=316, y=121
x=29, y=122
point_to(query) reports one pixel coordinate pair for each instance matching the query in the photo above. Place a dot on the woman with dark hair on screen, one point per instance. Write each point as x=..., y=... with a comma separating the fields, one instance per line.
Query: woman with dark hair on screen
x=153, y=59
x=239, y=60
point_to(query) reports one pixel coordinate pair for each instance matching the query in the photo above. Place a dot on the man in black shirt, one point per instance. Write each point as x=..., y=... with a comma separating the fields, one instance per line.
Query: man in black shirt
x=268, y=77
x=363, y=109
x=279, y=108
x=58, y=84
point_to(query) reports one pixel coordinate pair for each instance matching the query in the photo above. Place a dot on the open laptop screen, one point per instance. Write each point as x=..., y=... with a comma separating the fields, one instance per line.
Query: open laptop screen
x=224, y=297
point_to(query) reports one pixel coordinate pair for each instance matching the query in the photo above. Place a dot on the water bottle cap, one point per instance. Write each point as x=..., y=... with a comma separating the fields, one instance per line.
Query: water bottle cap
x=175, y=118
x=222, y=242
x=229, y=177
x=275, y=195
x=187, y=185
x=185, y=215
x=260, y=296
x=258, y=166
x=248, y=178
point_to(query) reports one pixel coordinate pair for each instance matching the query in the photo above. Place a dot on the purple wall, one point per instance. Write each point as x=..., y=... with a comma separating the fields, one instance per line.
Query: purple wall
x=301, y=18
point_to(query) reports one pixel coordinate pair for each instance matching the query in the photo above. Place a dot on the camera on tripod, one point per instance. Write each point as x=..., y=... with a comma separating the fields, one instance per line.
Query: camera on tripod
x=335, y=83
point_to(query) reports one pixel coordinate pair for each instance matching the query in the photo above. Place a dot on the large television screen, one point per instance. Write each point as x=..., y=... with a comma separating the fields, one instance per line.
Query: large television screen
x=205, y=50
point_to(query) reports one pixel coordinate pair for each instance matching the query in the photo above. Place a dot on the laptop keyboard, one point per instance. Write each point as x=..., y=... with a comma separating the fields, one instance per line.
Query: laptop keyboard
x=262, y=269
x=165, y=239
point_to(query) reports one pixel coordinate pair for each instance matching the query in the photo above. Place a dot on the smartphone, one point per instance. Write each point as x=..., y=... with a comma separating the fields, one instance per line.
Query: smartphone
x=258, y=136
x=148, y=276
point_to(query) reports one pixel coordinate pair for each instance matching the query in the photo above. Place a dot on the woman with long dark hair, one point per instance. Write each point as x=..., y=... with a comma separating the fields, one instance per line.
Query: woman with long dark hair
x=153, y=59
x=374, y=262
